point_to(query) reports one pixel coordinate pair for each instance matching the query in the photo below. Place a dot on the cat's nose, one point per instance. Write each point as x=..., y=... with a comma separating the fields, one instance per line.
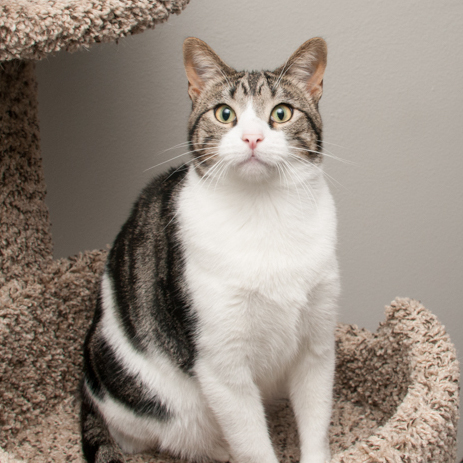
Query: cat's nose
x=252, y=139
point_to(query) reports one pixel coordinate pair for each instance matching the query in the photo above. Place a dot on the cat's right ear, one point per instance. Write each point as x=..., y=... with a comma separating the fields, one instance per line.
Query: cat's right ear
x=306, y=67
x=201, y=65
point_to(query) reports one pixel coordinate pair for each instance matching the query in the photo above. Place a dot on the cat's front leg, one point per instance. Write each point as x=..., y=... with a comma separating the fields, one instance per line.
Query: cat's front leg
x=311, y=396
x=236, y=403
x=311, y=385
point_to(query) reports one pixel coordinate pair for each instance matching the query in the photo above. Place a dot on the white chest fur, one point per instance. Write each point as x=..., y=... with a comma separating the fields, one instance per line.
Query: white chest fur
x=253, y=256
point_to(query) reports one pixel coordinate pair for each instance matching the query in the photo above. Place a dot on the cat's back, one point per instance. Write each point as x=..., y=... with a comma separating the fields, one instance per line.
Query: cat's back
x=142, y=302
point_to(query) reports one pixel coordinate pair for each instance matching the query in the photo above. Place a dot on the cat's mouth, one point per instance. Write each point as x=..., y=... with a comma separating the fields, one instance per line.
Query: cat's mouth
x=254, y=167
x=253, y=159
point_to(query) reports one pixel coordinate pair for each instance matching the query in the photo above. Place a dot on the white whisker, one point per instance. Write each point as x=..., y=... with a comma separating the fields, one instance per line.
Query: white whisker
x=209, y=173
x=171, y=220
x=282, y=74
x=298, y=158
x=305, y=186
x=286, y=165
x=176, y=157
x=325, y=154
x=279, y=174
x=329, y=143
x=189, y=161
x=286, y=178
x=221, y=174
x=226, y=78
x=186, y=143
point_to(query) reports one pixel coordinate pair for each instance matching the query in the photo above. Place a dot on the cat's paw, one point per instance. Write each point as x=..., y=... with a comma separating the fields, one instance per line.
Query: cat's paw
x=220, y=454
x=317, y=457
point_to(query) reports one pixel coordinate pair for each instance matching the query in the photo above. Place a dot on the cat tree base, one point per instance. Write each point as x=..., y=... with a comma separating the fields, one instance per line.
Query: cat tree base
x=395, y=399
x=396, y=393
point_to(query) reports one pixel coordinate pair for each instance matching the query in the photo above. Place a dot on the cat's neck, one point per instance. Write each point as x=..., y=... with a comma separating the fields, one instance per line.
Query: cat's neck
x=299, y=184
x=304, y=196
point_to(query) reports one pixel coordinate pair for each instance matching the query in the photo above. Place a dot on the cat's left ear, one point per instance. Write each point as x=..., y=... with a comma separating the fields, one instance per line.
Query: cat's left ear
x=202, y=65
x=306, y=66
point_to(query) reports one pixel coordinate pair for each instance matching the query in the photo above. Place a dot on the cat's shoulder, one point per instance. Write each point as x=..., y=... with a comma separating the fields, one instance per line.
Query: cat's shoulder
x=164, y=185
x=154, y=209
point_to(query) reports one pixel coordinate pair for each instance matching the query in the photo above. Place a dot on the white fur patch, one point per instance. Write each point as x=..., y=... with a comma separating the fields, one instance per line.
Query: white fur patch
x=262, y=271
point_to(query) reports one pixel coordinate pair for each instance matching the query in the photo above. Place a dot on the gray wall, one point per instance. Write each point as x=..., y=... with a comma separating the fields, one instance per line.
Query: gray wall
x=392, y=109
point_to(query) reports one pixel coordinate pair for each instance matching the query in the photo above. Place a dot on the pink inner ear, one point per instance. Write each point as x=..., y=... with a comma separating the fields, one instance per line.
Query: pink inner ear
x=201, y=64
x=193, y=91
x=315, y=83
x=307, y=65
x=195, y=80
x=192, y=74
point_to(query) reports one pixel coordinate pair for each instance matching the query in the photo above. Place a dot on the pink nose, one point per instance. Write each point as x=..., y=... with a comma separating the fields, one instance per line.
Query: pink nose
x=252, y=139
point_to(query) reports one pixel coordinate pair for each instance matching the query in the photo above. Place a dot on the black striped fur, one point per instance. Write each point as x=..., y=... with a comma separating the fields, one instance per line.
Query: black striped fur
x=145, y=255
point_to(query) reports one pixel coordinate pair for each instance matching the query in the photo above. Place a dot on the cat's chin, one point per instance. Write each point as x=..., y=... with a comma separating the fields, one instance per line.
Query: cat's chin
x=255, y=170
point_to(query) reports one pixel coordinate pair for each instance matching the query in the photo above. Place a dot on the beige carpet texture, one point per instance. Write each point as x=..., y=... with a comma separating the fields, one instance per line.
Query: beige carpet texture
x=396, y=392
x=31, y=29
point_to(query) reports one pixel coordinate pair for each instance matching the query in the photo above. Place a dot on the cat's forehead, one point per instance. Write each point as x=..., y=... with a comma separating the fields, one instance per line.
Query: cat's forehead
x=248, y=84
x=254, y=85
x=264, y=89
x=241, y=88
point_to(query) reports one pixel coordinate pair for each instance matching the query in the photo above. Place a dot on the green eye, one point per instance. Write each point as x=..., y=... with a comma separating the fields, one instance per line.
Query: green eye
x=281, y=113
x=225, y=114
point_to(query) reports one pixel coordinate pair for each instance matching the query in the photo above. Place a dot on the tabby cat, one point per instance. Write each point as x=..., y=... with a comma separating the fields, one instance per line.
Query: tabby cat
x=219, y=293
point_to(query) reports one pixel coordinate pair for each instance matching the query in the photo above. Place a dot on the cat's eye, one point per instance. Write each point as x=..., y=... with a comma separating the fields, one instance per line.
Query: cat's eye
x=281, y=113
x=225, y=114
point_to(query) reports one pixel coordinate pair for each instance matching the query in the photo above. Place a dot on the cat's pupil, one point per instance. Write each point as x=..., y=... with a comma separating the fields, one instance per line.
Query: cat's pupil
x=280, y=114
x=226, y=114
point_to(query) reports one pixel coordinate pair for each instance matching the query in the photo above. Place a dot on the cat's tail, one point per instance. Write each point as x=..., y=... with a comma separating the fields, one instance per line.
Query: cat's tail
x=97, y=444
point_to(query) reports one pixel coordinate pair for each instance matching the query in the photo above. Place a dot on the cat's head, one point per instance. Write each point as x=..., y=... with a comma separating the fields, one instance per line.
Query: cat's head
x=255, y=126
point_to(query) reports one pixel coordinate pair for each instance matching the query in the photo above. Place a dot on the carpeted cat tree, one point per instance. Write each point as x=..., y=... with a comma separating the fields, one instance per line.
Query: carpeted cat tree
x=396, y=394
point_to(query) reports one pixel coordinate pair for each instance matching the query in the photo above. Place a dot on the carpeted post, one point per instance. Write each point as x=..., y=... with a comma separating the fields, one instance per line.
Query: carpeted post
x=24, y=221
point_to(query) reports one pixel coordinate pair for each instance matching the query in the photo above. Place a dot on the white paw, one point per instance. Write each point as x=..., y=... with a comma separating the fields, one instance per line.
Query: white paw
x=220, y=454
x=318, y=457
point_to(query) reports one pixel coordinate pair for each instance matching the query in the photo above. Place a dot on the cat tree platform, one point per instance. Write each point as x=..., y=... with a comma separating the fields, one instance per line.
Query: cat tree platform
x=396, y=392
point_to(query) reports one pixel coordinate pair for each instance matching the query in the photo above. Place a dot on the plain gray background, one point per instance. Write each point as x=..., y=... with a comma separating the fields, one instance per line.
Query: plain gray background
x=392, y=108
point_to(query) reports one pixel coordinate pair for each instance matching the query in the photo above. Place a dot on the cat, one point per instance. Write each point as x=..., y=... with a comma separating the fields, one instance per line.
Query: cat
x=220, y=292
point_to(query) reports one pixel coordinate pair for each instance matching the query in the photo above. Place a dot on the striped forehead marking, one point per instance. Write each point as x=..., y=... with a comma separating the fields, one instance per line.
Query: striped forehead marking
x=251, y=84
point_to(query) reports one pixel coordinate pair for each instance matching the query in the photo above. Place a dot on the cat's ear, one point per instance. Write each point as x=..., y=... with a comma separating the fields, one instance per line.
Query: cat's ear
x=306, y=66
x=201, y=65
